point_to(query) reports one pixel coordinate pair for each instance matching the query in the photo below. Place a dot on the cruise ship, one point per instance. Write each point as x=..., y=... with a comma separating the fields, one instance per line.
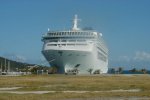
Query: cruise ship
x=76, y=51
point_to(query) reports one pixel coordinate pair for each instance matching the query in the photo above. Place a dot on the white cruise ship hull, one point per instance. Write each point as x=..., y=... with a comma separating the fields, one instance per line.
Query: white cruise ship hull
x=76, y=51
x=84, y=58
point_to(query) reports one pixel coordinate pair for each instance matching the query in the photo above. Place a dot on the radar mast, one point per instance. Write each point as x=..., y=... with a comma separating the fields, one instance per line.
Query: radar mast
x=75, y=23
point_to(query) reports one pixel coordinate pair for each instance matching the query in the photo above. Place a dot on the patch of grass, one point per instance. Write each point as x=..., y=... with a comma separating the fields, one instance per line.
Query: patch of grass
x=74, y=83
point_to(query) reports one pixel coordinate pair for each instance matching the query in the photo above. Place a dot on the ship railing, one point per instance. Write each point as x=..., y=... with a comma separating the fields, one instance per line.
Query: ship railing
x=67, y=44
x=84, y=36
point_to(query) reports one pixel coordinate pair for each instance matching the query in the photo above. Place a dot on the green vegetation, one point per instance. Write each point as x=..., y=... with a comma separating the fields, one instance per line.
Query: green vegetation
x=143, y=70
x=60, y=83
x=19, y=66
x=14, y=65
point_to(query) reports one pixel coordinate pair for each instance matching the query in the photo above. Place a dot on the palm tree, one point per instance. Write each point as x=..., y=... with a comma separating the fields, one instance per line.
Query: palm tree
x=133, y=70
x=120, y=69
x=144, y=70
x=34, y=70
x=90, y=70
x=112, y=70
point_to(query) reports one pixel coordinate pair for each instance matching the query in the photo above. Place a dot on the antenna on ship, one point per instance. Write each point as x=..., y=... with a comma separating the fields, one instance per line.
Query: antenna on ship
x=75, y=23
x=48, y=29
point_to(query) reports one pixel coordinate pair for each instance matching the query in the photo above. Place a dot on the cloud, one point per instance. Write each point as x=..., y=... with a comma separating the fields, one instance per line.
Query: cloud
x=124, y=58
x=15, y=57
x=139, y=59
x=142, y=56
x=138, y=56
x=20, y=58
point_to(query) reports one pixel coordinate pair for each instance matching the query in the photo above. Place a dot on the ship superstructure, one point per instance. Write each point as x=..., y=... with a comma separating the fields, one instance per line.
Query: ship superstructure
x=76, y=50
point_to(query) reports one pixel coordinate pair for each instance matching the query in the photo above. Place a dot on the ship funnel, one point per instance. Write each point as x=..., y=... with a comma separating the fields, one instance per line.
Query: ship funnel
x=75, y=23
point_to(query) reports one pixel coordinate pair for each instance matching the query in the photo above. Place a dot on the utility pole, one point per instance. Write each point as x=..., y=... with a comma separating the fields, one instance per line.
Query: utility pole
x=1, y=69
x=1, y=66
x=8, y=66
x=5, y=66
